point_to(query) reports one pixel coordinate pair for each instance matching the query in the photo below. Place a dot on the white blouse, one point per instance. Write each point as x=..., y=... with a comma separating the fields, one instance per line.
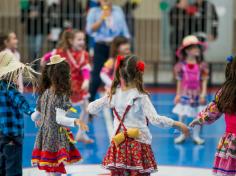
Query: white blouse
x=141, y=108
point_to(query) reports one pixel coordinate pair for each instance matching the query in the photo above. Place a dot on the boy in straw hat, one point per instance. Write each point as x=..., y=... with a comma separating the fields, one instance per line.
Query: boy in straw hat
x=13, y=106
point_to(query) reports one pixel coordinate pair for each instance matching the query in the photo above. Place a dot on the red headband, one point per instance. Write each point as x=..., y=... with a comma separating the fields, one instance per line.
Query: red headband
x=140, y=66
x=119, y=58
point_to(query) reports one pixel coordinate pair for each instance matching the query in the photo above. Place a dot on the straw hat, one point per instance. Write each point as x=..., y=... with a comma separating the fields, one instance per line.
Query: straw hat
x=190, y=41
x=56, y=59
x=8, y=63
x=10, y=67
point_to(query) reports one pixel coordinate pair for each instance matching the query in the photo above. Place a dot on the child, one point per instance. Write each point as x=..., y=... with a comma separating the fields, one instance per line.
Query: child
x=224, y=103
x=72, y=47
x=13, y=107
x=119, y=46
x=132, y=109
x=54, y=145
x=192, y=76
x=9, y=42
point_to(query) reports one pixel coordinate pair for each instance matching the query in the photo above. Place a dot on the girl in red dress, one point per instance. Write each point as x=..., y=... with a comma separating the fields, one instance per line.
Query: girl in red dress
x=72, y=47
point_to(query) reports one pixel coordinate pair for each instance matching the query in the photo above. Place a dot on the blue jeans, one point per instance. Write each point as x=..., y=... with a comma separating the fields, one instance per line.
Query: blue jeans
x=10, y=156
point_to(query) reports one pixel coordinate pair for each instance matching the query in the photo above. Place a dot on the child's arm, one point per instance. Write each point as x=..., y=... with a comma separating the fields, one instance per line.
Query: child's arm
x=62, y=119
x=104, y=75
x=96, y=106
x=178, y=87
x=19, y=101
x=210, y=114
x=86, y=76
x=158, y=120
x=155, y=119
x=178, y=76
x=204, y=77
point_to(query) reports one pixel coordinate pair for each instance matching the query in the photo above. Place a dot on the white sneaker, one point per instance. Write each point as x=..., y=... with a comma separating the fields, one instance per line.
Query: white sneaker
x=180, y=139
x=199, y=141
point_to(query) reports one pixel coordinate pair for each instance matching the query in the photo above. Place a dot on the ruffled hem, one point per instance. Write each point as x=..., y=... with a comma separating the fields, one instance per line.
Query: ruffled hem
x=187, y=110
x=122, y=166
x=46, y=160
x=225, y=157
x=131, y=155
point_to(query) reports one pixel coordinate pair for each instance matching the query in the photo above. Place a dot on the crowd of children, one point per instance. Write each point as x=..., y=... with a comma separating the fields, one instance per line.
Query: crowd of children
x=64, y=83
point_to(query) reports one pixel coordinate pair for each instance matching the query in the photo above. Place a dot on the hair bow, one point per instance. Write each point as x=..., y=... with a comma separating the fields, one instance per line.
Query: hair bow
x=140, y=66
x=230, y=59
x=119, y=58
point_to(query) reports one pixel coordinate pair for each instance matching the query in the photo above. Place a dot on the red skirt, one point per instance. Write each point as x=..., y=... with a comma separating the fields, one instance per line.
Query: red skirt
x=130, y=155
x=78, y=94
x=54, y=161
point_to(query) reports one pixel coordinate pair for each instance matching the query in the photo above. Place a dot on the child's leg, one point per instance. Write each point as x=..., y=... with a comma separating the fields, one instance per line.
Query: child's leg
x=181, y=137
x=82, y=135
x=11, y=152
x=119, y=172
x=136, y=173
x=196, y=135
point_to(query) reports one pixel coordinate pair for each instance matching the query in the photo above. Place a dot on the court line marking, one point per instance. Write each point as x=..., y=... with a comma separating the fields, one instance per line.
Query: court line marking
x=95, y=170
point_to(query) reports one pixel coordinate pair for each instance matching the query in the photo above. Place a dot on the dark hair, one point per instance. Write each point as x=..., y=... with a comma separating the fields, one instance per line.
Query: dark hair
x=65, y=38
x=201, y=56
x=3, y=38
x=58, y=76
x=129, y=72
x=227, y=99
x=116, y=43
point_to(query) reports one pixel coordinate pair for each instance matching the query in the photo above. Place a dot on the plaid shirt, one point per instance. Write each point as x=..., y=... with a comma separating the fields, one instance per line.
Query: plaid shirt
x=12, y=107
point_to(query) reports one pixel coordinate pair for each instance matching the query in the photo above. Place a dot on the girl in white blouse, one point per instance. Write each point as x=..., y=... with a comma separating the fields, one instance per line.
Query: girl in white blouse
x=130, y=151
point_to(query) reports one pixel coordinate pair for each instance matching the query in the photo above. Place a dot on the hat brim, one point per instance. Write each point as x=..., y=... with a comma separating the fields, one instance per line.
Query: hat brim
x=180, y=50
x=57, y=62
x=13, y=66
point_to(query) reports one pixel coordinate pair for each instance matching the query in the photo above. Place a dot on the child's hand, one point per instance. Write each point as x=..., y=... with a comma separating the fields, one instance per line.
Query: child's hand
x=81, y=124
x=177, y=99
x=182, y=127
x=85, y=85
x=38, y=123
x=194, y=123
x=202, y=100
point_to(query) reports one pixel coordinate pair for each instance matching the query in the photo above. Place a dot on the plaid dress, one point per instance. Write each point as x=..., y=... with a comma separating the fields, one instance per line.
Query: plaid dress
x=54, y=144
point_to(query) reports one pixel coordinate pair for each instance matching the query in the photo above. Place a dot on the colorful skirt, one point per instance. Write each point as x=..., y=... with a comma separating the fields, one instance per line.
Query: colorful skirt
x=225, y=158
x=46, y=158
x=130, y=155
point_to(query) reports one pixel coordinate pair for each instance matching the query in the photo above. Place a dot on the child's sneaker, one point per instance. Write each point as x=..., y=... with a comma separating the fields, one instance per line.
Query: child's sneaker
x=197, y=140
x=180, y=139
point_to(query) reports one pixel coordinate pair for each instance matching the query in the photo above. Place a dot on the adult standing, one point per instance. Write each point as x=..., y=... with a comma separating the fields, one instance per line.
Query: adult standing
x=206, y=20
x=54, y=22
x=179, y=22
x=129, y=8
x=104, y=23
x=33, y=17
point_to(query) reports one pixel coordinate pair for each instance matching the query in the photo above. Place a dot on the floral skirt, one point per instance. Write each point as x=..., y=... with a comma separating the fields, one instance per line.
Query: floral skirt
x=130, y=156
x=225, y=159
